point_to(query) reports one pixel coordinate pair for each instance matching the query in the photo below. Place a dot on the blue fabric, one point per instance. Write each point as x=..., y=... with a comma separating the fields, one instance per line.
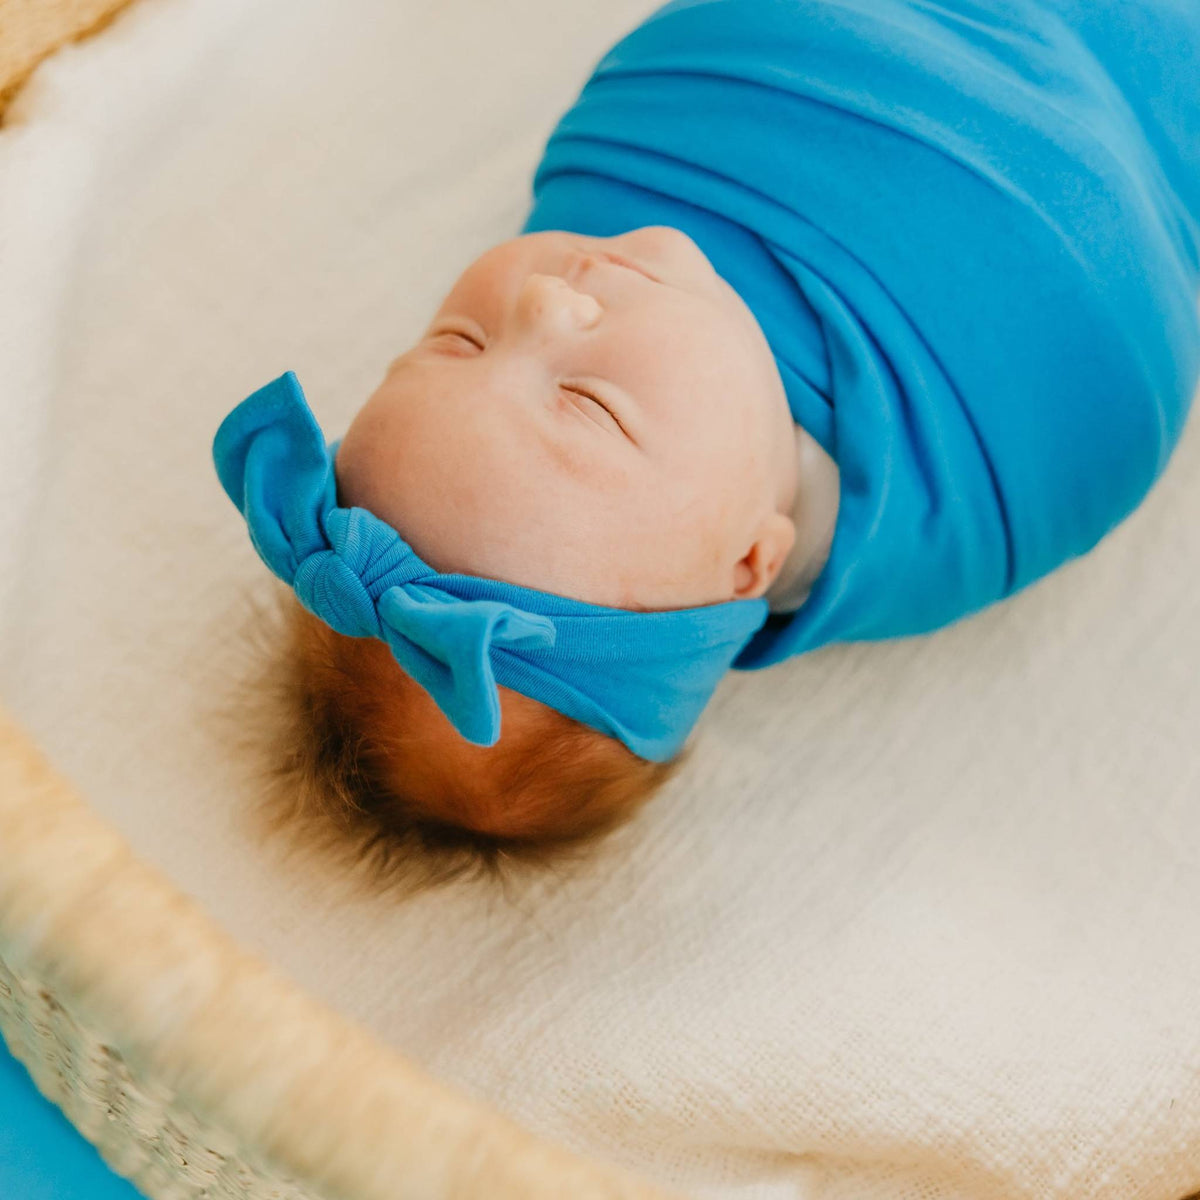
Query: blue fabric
x=969, y=232
x=642, y=677
x=42, y=1156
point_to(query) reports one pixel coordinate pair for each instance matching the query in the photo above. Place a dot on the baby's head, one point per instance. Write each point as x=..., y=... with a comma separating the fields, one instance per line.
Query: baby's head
x=600, y=418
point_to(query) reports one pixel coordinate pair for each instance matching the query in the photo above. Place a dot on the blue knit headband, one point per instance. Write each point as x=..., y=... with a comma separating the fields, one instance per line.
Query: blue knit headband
x=641, y=677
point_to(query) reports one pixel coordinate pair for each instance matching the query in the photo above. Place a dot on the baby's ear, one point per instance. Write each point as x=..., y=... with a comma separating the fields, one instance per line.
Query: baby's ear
x=756, y=570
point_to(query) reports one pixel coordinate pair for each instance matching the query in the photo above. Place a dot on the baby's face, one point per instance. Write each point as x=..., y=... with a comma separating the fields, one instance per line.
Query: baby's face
x=616, y=433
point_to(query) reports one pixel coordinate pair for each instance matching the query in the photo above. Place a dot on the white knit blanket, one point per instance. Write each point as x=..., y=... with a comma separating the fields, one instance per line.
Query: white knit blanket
x=920, y=921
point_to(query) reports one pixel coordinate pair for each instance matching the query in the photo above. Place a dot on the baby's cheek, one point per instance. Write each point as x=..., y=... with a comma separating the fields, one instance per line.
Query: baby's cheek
x=586, y=464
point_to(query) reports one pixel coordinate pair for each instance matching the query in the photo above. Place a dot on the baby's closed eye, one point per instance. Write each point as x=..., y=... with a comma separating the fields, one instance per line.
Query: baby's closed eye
x=596, y=410
x=594, y=407
x=458, y=333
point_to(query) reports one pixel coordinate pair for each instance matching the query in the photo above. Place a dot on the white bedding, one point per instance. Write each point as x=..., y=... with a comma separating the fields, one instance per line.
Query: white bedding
x=920, y=921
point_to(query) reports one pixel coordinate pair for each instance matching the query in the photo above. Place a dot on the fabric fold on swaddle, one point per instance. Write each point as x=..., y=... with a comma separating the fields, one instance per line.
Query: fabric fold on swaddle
x=964, y=245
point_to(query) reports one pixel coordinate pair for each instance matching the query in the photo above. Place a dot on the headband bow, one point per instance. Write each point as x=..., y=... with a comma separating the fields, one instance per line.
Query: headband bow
x=642, y=677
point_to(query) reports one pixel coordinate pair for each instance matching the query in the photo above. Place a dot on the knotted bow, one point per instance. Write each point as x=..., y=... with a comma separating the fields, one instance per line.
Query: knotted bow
x=641, y=677
x=444, y=643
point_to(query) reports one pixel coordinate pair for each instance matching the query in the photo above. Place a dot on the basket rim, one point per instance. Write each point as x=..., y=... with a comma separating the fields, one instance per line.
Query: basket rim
x=323, y=1100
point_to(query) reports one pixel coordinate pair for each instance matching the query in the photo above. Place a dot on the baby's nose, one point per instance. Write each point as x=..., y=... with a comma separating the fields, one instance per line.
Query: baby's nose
x=548, y=301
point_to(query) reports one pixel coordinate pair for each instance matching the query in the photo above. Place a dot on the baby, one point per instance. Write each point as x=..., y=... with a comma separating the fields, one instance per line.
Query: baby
x=826, y=324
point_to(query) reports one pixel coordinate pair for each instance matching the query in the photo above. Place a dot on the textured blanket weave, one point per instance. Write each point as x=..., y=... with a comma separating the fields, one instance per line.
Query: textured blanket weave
x=917, y=922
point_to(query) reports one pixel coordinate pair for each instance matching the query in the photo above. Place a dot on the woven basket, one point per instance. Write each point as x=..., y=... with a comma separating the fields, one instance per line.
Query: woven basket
x=195, y=1069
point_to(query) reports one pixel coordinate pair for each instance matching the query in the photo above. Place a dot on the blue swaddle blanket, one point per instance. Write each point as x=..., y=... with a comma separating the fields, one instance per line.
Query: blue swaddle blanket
x=969, y=232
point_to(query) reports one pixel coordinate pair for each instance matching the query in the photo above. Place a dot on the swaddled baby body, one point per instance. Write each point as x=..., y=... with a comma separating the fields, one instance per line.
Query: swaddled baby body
x=830, y=321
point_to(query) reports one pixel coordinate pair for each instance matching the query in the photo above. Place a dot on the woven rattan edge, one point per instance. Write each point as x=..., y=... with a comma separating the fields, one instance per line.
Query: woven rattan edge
x=224, y=1035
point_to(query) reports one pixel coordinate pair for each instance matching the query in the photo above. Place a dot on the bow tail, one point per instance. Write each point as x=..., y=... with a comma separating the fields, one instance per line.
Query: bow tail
x=445, y=644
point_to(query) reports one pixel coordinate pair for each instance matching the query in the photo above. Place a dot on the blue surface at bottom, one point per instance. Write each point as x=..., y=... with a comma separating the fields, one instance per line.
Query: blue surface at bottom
x=42, y=1157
